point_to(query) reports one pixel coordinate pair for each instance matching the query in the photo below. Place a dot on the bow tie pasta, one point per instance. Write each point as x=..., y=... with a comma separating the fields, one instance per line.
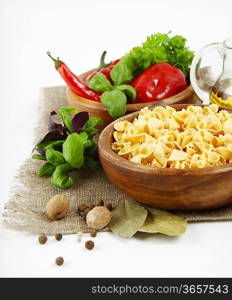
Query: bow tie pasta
x=195, y=137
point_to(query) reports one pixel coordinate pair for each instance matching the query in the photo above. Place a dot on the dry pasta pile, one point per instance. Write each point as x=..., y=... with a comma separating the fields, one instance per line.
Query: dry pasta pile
x=195, y=137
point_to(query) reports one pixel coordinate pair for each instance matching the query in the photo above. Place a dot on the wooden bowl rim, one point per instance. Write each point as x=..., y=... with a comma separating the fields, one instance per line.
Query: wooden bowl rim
x=106, y=150
x=186, y=93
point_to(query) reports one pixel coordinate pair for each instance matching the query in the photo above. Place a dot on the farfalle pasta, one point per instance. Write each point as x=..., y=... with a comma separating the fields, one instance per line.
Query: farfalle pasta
x=194, y=137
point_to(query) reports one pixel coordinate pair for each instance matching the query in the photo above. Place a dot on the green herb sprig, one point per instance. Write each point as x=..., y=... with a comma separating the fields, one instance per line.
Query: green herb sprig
x=68, y=146
x=114, y=98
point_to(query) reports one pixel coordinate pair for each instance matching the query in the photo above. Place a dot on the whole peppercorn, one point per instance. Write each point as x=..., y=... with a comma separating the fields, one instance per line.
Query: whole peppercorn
x=58, y=236
x=100, y=203
x=82, y=214
x=109, y=206
x=89, y=245
x=59, y=261
x=87, y=210
x=81, y=208
x=91, y=206
x=42, y=239
x=93, y=233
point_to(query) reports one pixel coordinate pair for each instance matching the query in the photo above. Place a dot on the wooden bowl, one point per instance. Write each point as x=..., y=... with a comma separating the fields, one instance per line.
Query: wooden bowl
x=96, y=109
x=166, y=188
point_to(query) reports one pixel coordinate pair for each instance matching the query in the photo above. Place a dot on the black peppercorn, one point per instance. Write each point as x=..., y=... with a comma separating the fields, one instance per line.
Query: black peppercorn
x=42, y=239
x=93, y=233
x=58, y=236
x=59, y=261
x=91, y=206
x=89, y=245
x=109, y=206
x=81, y=208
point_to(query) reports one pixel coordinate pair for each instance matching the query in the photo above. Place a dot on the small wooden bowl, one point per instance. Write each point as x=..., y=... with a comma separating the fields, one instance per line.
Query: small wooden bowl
x=166, y=188
x=96, y=109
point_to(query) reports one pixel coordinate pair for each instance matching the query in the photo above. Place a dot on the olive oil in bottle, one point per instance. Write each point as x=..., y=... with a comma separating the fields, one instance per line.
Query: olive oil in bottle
x=211, y=73
x=221, y=93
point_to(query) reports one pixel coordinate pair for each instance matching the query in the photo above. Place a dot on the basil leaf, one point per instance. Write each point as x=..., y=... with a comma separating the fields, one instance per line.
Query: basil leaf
x=79, y=121
x=66, y=114
x=41, y=146
x=53, y=126
x=38, y=156
x=85, y=140
x=91, y=131
x=128, y=89
x=46, y=169
x=53, y=144
x=115, y=101
x=40, y=151
x=84, y=137
x=73, y=150
x=100, y=83
x=61, y=178
x=88, y=144
x=54, y=157
x=51, y=136
x=92, y=152
x=122, y=72
x=91, y=124
x=91, y=164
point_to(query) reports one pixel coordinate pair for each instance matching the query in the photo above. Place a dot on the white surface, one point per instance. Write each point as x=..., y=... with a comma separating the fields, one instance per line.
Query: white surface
x=78, y=31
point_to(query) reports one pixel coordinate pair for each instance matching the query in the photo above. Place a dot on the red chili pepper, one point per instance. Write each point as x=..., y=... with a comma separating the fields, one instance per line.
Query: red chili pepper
x=76, y=84
x=158, y=82
x=103, y=68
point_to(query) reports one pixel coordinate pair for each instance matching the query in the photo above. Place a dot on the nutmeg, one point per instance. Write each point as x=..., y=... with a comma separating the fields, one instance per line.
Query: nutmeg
x=98, y=217
x=57, y=207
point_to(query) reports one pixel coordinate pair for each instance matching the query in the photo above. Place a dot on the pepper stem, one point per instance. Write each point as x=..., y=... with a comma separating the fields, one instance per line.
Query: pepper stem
x=57, y=61
x=102, y=62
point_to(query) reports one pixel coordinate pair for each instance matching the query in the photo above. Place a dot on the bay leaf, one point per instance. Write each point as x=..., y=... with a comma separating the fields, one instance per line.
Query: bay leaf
x=159, y=221
x=127, y=218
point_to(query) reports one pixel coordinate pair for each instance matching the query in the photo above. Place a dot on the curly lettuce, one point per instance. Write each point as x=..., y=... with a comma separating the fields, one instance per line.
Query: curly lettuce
x=157, y=48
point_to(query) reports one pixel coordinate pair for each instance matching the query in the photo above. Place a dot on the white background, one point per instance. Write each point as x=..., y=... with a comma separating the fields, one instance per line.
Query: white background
x=78, y=31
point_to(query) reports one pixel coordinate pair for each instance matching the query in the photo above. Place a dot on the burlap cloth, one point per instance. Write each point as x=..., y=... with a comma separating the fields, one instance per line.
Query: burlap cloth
x=25, y=210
